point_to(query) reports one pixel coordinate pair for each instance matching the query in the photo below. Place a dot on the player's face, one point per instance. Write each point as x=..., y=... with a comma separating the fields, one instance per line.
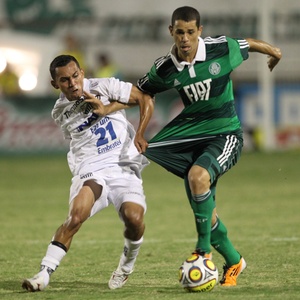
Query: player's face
x=69, y=79
x=185, y=36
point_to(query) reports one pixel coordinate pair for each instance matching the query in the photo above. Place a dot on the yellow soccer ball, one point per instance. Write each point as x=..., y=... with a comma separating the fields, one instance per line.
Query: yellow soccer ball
x=198, y=274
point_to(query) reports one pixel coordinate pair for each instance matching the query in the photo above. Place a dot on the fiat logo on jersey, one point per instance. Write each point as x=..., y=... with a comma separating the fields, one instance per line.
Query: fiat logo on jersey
x=214, y=68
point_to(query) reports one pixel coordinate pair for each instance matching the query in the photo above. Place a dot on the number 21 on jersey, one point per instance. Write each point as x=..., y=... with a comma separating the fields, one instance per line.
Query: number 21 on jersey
x=106, y=133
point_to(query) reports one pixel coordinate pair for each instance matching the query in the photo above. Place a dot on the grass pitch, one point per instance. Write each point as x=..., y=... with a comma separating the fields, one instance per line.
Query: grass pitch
x=258, y=200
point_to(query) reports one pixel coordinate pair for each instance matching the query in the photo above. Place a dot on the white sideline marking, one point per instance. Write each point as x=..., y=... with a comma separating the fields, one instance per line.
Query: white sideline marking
x=285, y=239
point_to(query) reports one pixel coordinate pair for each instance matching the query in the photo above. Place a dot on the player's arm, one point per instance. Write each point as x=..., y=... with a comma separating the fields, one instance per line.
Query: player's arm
x=102, y=110
x=136, y=97
x=260, y=46
x=146, y=104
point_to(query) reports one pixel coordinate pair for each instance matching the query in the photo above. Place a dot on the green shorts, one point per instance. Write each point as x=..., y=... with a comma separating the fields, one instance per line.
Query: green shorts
x=217, y=154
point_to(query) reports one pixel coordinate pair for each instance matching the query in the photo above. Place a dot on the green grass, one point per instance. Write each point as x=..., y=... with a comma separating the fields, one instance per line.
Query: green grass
x=258, y=200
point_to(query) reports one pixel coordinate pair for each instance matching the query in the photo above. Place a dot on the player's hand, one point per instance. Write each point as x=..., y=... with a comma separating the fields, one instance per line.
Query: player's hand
x=272, y=62
x=274, y=59
x=98, y=107
x=140, y=143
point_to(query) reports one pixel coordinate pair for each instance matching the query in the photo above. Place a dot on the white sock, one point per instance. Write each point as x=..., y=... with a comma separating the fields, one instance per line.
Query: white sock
x=129, y=255
x=53, y=257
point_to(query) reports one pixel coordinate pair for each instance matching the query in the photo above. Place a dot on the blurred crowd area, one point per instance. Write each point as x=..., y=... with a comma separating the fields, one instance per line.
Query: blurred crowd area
x=13, y=84
x=9, y=82
x=123, y=38
x=104, y=65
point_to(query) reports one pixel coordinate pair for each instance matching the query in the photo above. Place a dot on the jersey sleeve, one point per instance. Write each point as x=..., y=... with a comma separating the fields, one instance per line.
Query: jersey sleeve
x=152, y=83
x=112, y=88
x=238, y=51
x=57, y=116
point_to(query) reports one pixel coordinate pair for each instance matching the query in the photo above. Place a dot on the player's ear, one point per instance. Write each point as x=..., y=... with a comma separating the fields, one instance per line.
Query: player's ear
x=54, y=84
x=200, y=30
x=171, y=30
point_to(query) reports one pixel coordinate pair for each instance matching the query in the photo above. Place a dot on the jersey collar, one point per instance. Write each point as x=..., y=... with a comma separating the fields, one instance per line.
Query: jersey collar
x=200, y=56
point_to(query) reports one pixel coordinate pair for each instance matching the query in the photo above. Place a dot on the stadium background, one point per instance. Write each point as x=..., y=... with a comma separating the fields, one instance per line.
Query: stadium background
x=135, y=33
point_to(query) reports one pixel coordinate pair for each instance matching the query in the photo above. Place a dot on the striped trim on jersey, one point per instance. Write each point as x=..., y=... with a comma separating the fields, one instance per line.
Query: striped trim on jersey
x=243, y=43
x=143, y=80
x=222, y=39
x=215, y=40
x=229, y=147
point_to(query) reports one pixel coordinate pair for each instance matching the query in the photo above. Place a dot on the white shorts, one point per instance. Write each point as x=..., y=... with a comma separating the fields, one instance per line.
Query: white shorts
x=120, y=184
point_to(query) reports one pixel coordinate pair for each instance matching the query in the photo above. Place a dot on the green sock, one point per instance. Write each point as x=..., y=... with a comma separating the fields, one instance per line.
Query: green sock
x=203, y=206
x=222, y=244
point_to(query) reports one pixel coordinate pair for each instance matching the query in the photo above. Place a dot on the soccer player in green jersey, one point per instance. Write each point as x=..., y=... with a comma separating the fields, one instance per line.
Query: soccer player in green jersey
x=205, y=140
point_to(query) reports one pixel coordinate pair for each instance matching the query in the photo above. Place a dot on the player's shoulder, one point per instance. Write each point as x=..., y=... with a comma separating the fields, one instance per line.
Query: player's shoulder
x=61, y=102
x=59, y=106
x=98, y=86
x=215, y=40
x=221, y=45
x=216, y=46
x=96, y=83
x=105, y=83
x=164, y=66
x=223, y=40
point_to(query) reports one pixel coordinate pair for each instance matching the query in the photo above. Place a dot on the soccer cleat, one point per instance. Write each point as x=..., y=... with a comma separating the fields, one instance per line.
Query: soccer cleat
x=202, y=253
x=118, y=279
x=231, y=274
x=39, y=281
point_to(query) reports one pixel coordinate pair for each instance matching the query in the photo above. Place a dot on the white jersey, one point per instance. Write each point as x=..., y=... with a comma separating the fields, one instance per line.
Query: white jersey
x=98, y=142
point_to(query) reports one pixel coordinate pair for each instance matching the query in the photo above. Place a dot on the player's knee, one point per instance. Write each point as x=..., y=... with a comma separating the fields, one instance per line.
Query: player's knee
x=134, y=219
x=74, y=221
x=199, y=176
x=133, y=215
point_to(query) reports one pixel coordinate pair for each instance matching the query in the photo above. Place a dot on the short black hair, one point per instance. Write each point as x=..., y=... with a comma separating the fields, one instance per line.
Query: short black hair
x=187, y=14
x=61, y=61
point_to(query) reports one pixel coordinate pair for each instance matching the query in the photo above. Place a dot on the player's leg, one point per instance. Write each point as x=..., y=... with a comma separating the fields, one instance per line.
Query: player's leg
x=234, y=263
x=133, y=217
x=131, y=206
x=219, y=238
x=197, y=185
x=80, y=209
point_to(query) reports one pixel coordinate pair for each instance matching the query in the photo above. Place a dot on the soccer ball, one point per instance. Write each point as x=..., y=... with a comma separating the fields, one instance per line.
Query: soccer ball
x=198, y=274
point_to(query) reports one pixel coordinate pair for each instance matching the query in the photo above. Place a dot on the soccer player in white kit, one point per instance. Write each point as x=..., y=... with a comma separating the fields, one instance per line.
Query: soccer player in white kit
x=104, y=162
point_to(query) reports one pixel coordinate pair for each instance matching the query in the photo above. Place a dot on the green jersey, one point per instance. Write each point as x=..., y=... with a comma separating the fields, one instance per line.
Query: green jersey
x=205, y=88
